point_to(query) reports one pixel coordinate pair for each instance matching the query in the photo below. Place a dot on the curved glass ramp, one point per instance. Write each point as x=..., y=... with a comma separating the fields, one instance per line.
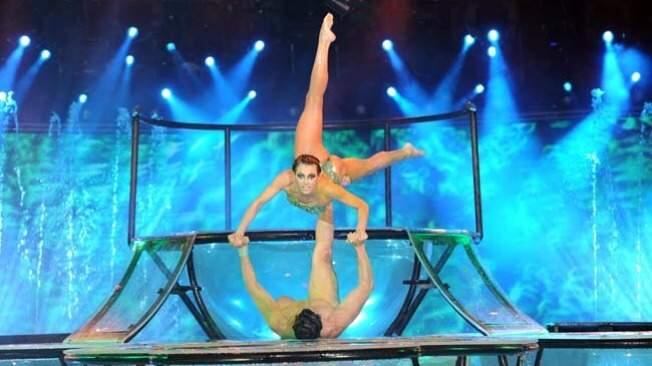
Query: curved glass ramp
x=454, y=269
x=151, y=275
x=436, y=261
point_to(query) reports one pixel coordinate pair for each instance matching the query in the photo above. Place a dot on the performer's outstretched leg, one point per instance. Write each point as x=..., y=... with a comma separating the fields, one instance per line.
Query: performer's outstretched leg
x=354, y=169
x=308, y=139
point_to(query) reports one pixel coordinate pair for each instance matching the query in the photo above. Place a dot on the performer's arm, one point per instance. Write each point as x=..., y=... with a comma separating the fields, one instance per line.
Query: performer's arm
x=349, y=309
x=281, y=181
x=268, y=307
x=335, y=191
x=263, y=300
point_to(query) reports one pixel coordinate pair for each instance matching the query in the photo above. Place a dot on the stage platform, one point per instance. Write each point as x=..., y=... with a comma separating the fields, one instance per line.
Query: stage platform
x=573, y=348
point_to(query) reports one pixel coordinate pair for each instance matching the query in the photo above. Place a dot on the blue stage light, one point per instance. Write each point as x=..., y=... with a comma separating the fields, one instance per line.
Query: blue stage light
x=391, y=91
x=636, y=77
x=259, y=45
x=252, y=94
x=45, y=54
x=132, y=32
x=608, y=36
x=493, y=36
x=479, y=89
x=170, y=46
x=129, y=60
x=388, y=45
x=469, y=40
x=210, y=61
x=3, y=96
x=83, y=98
x=24, y=41
x=568, y=87
x=492, y=51
x=166, y=93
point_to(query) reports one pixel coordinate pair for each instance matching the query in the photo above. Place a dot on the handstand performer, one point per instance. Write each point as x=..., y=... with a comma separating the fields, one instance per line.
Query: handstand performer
x=305, y=185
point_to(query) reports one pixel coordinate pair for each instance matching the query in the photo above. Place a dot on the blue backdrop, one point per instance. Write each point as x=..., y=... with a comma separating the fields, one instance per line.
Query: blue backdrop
x=566, y=207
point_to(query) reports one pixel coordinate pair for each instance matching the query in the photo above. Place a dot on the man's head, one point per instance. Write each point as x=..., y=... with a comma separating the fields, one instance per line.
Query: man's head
x=306, y=171
x=307, y=325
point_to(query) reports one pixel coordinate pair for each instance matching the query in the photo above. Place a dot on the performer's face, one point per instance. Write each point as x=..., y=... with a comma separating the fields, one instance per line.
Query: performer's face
x=306, y=178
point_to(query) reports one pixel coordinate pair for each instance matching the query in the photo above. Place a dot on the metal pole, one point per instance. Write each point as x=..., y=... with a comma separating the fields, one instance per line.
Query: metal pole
x=133, y=182
x=227, y=178
x=475, y=159
x=388, y=180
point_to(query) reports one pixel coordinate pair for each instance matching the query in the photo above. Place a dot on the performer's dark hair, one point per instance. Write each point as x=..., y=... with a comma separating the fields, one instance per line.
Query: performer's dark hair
x=307, y=325
x=306, y=159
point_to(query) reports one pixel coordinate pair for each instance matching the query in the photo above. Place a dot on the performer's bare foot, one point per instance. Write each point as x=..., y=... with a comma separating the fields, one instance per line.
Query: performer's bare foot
x=325, y=33
x=412, y=151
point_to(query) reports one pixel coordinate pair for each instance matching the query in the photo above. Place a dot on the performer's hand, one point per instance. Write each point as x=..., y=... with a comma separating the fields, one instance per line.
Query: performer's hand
x=345, y=181
x=356, y=238
x=238, y=240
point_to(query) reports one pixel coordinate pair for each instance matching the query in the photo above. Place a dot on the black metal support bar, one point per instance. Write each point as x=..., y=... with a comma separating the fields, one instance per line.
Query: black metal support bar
x=538, y=357
x=412, y=308
x=502, y=360
x=475, y=160
x=227, y=179
x=417, y=282
x=292, y=126
x=409, y=296
x=388, y=179
x=297, y=235
x=133, y=182
x=208, y=321
x=195, y=312
x=160, y=264
x=309, y=235
x=412, y=303
x=445, y=256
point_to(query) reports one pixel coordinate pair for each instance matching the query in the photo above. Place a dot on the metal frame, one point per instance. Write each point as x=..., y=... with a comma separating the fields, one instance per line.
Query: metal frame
x=387, y=125
x=412, y=300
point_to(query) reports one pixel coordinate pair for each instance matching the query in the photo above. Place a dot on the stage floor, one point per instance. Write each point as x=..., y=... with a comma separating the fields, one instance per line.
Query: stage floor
x=548, y=349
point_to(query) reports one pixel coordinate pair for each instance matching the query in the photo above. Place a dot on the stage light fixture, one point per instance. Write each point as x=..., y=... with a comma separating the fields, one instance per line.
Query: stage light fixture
x=493, y=36
x=568, y=87
x=132, y=32
x=469, y=40
x=166, y=93
x=24, y=41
